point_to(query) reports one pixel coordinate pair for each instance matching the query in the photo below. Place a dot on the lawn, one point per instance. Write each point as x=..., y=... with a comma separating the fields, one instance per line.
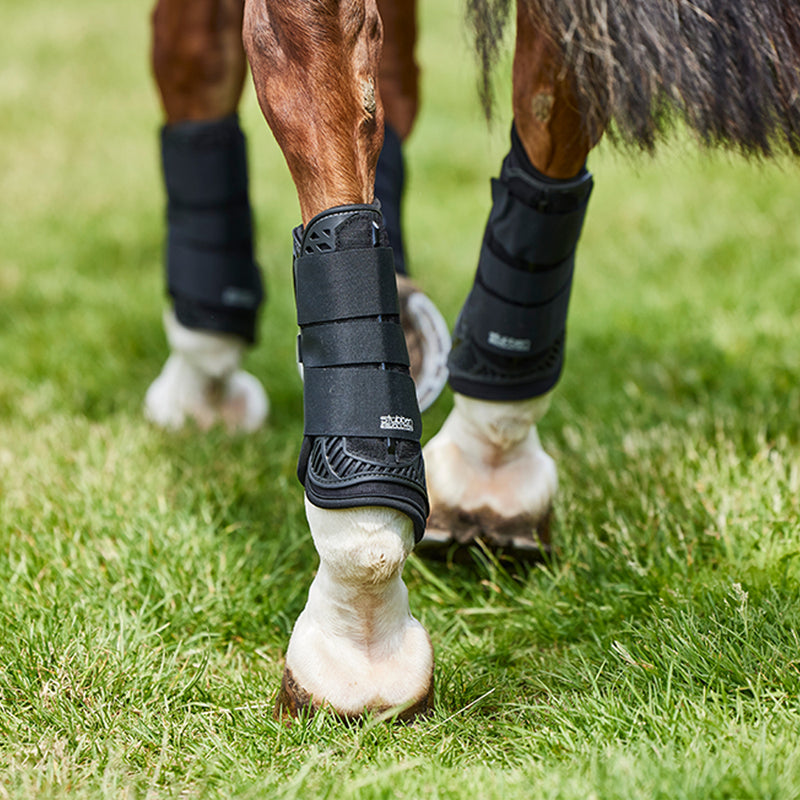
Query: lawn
x=149, y=581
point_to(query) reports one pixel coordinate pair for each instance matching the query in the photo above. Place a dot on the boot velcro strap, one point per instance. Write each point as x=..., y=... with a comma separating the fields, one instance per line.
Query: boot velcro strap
x=360, y=401
x=344, y=284
x=358, y=341
x=535, y=236
x=226, y=280
x=507, y=329
x=215, y=228
x=521, y=285
x=211, y=256
x=205, y=163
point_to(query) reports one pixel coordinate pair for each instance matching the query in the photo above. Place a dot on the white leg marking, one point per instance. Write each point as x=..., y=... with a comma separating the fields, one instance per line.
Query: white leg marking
x=487, y=460
x=201, y=381
x=356, y=646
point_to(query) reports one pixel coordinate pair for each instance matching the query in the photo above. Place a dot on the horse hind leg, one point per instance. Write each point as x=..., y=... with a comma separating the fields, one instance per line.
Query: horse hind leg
x=355, y=647
x=488, y=475
x=200, y=67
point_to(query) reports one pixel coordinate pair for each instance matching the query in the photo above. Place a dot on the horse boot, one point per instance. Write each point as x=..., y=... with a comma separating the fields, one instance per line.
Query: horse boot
x=212, y=278
x=489, y=478
x=355, y=647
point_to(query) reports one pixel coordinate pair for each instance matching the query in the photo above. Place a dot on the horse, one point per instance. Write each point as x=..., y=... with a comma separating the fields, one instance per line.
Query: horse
x=334, y=78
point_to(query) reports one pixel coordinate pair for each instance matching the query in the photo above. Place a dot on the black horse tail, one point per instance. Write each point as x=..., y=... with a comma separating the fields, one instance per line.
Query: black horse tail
x=730, y=69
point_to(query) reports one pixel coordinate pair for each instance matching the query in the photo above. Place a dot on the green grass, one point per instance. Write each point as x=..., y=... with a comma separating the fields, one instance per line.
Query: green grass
x=149, y=582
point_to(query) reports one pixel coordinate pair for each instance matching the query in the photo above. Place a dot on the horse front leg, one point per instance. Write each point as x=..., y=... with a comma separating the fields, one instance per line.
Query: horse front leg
x=215, y=285
x=355, y=647
x=488, y=475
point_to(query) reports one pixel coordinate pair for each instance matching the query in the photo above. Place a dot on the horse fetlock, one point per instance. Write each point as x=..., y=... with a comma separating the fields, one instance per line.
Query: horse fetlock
x=215, y=356
x=489, y=477
x=201, y=381
x=503, y=426
x=362, y=547
x=497, y=462
x=355, y=647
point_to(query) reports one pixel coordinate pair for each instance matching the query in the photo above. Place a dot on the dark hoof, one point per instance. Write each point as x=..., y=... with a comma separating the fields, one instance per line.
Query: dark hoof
x=293, y=701
x=524, y=536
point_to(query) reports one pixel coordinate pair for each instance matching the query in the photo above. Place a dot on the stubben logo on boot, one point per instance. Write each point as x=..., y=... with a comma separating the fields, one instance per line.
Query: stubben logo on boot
x=504, y=342
x=396, y=422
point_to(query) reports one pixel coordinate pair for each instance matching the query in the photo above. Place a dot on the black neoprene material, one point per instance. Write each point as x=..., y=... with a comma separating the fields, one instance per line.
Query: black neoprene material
x=212, y=277
x=362, y=423
x=389, y=185
x=508, y=342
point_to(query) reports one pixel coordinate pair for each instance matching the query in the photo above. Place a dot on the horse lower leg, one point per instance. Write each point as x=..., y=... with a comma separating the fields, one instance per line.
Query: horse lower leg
x=199, y=66
x=489, y=477
x=487, y=473
x=355, y=647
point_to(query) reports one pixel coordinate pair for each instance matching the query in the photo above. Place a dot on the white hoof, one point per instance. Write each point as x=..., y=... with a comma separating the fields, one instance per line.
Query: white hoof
x=488, y=476
x=201, y=382
x=355, y=647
